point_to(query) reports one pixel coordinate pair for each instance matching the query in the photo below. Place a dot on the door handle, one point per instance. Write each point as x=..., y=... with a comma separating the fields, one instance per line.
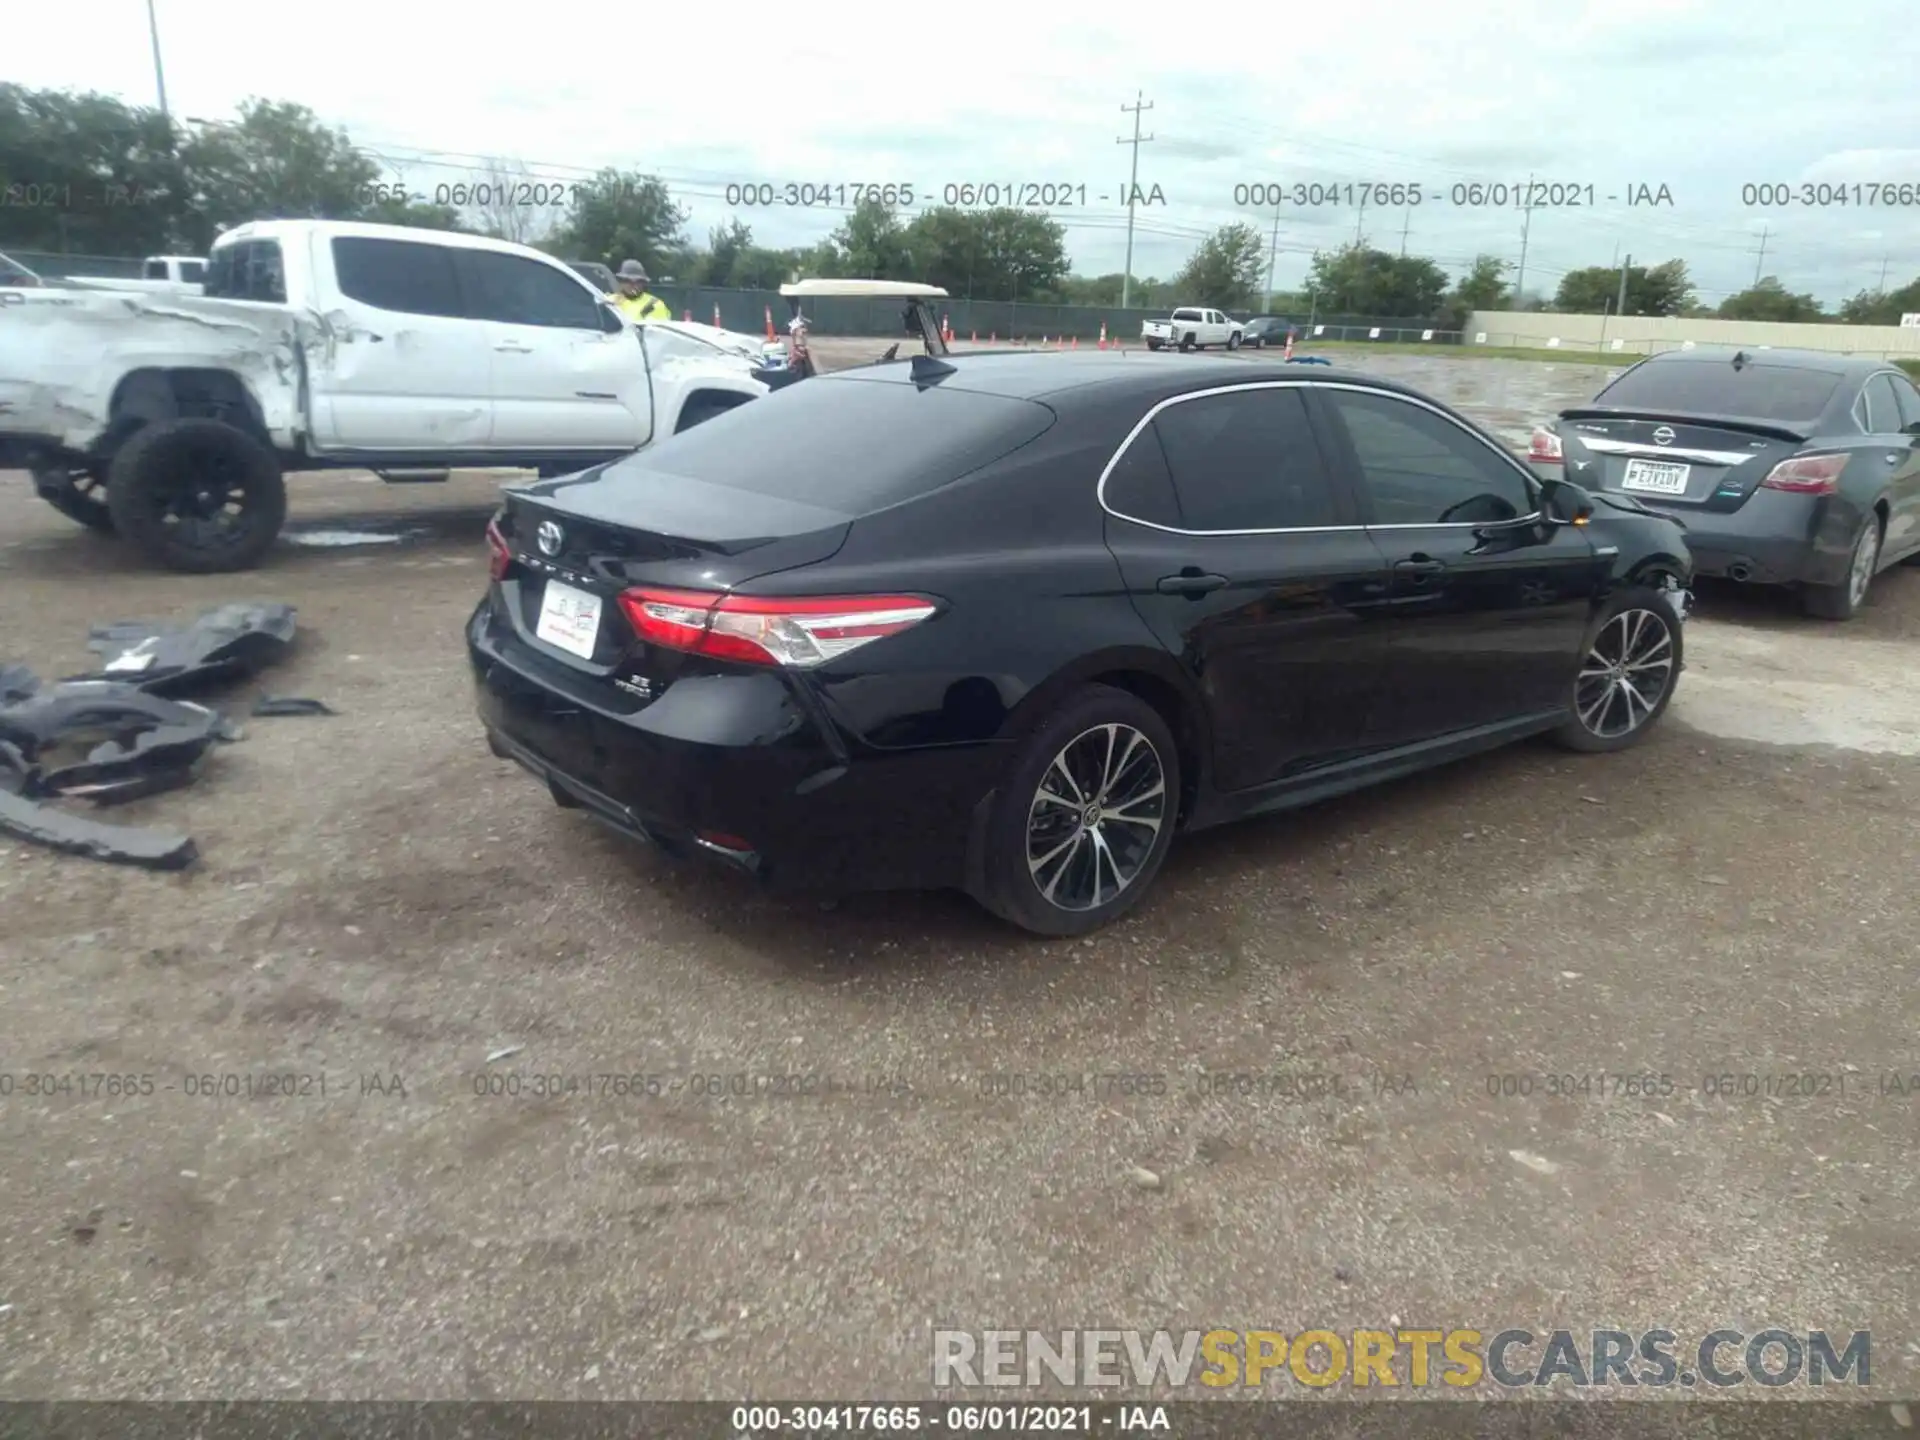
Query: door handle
x=1191, y=582
x=1419, y=568
x=512, y=349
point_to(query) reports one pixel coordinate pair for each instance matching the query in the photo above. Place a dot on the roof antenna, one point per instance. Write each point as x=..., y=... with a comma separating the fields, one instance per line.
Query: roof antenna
x=929, y=371
x=1739, y=359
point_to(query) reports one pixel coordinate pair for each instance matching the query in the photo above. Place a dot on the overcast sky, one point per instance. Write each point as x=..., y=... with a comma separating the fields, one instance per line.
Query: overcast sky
x=1699, y=96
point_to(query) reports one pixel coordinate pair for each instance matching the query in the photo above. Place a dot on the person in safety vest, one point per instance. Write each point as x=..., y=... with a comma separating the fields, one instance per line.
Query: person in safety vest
x=634, y=300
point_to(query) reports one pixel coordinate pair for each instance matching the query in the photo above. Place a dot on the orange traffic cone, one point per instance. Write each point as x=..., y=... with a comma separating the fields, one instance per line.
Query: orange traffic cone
x=993, y=337
x=1076, y=342
x=1103, y=334
x=716, y=316
x=686, y=317
x=1287, y=354
x=973, y=337
x=770, y=322
x=946, y=328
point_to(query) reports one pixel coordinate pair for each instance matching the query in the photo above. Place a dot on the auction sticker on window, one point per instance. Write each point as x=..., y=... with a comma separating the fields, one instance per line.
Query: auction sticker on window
x=569, y=618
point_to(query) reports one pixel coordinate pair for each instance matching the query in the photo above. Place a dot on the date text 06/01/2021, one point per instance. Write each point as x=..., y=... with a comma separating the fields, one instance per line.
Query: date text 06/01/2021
x=1465, y=194
x=960, y=194
x=490, y=194
x=890, y=1419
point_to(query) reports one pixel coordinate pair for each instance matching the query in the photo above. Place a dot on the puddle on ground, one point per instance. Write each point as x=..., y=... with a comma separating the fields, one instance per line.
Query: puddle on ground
x=1802, y=687
x=342, y=539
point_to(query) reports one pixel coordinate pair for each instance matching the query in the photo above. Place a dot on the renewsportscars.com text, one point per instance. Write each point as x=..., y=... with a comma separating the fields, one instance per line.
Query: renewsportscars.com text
x=1418, y=1358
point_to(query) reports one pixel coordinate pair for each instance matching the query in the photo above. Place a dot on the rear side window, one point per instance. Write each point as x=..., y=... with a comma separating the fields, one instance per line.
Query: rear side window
x=400, y=275
x=851, y=446
x=1422, y=469
x=1883, y=410
x=1186, y=314
x=248, y=270
x=1247, y=460
x=156, y=270
x=1140, y=486
x=514, y=290
x=193, y=271
x=1754, y=392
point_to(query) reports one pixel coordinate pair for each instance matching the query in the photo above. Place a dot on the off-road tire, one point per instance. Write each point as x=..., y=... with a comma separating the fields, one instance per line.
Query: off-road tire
x=154, y=470
x=78, y=493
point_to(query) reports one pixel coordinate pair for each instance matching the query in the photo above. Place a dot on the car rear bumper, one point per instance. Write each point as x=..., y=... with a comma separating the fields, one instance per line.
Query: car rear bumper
x=720, y=760
x=1773, y=539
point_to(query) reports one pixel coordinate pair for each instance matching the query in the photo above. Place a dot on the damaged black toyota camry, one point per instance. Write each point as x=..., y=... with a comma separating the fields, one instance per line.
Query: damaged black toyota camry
x=1007, y=622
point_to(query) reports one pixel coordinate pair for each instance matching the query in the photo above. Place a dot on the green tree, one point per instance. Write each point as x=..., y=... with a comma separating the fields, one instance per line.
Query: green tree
x=1663, y=289
x=1226, y=270
x=727, y=247
x=872, y=243
x=275, y=161
x=1359, y=280
x=1093, y=289
x=1483, y=287
x=95, y=176
x=1882, y=307
x=621, y=215
x=1770, y=300
x=1002, y=253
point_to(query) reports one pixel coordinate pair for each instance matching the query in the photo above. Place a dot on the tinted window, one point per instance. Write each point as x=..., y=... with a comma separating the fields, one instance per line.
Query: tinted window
x=517, y=291
x=1883, y=410
x=850, y=445
x=1140, y=486
x=1693, y=387
x=402, y=275
x=1246, y=461
x=1186, y=314
x=156, y=270
x=248, y=270
x=193, y=271
x=1909, y=400
x=1422, y=469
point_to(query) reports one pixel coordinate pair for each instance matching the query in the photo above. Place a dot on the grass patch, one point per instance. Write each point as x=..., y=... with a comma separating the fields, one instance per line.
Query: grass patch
x=1912, y=367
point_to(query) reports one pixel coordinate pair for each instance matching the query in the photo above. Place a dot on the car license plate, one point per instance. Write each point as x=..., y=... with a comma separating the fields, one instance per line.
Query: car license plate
x=569, y=618
x=1658, y=476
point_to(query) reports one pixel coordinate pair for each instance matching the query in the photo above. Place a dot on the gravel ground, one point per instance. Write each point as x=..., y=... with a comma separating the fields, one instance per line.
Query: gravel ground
x=382, y=906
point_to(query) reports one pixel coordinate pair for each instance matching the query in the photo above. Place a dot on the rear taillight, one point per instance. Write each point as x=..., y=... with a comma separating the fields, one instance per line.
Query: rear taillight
x=499, y=556
x=1806, y=475
x=1544, y=448
x=798, y=631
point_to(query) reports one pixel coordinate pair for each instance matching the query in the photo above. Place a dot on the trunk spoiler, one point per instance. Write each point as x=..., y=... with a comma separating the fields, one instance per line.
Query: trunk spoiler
x=1771, y=429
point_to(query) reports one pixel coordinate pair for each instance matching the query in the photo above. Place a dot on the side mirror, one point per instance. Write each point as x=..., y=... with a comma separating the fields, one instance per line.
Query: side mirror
x=1566, y=503
x=611, y=320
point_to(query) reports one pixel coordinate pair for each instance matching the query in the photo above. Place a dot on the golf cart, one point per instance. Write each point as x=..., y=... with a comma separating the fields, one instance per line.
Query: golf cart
x=918, y=316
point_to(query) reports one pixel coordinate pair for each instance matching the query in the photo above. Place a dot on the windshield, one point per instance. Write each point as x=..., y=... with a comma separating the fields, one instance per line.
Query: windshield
x=1696, y=387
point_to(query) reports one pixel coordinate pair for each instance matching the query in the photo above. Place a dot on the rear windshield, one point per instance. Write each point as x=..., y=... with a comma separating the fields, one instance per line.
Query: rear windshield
x=1756, y=392
x=851, y=446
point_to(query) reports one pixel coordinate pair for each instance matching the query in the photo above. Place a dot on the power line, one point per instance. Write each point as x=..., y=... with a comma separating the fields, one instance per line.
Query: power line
x=1139, y=106
x=1762, y=260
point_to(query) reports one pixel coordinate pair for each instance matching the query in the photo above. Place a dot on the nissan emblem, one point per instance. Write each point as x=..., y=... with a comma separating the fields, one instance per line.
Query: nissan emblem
x=549, y=537
x=1662, y=436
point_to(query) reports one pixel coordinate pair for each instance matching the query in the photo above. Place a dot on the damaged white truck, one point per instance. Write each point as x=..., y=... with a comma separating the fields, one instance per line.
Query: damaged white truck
x=173, y=419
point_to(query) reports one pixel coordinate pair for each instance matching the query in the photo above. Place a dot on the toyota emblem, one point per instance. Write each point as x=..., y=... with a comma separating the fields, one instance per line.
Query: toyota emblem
x=1662, y=436
x=549, y=537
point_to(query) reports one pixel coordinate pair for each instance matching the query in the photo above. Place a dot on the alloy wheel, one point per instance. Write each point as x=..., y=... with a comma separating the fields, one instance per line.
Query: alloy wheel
x=1865, y=555
x=203, y=499
x=1096, y=817
x=1625, y=675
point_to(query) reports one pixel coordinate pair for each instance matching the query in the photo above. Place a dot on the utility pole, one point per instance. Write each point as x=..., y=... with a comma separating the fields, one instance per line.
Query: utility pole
x=1763, y=255
x=1359, y=215
x=1139, y=105
x=1273, y=249
x=159, y=75
x=1405, y=226
x=1526, y=224
x=1620, y=305
x=1881, y=288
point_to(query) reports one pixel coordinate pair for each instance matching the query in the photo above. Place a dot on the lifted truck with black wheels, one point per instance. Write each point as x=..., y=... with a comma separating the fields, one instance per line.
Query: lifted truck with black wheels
x=323, y=345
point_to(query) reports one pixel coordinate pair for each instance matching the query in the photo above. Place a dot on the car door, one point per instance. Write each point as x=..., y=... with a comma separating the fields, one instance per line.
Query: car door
x=1243, y=553
x=401, y=367
x=1490, y=603
x=563, y=377
x=1889, y=412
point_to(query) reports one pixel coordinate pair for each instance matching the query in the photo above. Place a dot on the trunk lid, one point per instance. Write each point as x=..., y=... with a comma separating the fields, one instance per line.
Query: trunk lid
x=1684, y=462
x=628, y=524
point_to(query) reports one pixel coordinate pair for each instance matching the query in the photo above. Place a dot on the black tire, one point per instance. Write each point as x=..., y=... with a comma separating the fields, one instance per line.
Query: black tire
x=198, y=495
x=1600, y=709
x=1189, y=340
x=78, y=493
x=1843, y=601
x=1259, y=342
x=1069, y=853
x=1233, y=342
x=1153, y=344
x=701, y=409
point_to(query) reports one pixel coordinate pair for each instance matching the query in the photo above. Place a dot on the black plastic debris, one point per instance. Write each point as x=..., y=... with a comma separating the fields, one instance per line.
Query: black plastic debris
x=277, y=705
x=77, y=835
x=226, y=642
x=17, y=682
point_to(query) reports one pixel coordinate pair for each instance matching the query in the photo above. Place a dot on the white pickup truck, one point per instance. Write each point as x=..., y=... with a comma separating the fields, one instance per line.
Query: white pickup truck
x=172, y=418
x=159, y=275
x=1192, y=328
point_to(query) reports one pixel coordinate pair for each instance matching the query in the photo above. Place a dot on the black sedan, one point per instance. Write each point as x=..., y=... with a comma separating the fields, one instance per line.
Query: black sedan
x=1005, y=622
x=1788, y=467
x=1265, y=330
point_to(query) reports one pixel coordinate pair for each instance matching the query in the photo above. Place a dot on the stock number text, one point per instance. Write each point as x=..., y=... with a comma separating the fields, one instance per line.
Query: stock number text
x=1778, y=194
